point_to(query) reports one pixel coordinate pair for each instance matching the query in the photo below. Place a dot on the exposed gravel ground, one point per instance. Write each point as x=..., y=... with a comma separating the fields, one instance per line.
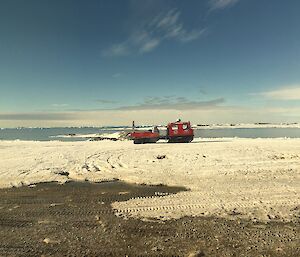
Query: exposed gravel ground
x=76, y=219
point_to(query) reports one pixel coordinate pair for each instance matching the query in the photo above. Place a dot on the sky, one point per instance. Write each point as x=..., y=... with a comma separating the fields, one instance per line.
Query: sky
x=98, y=63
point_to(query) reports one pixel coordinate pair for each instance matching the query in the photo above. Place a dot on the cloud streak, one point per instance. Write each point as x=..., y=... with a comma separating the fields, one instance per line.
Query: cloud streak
x=209, y=115
x=151, y=33
x=284, y=93
x=173, y=103
x=105, y=101
x=59, y=105
x=117, y=50
x=221, y=4
x=116, y=75
x=52, y=116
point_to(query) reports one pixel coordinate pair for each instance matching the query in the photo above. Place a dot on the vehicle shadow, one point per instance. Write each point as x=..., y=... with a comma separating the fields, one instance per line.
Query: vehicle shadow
x=197, y=142
x=211, y=141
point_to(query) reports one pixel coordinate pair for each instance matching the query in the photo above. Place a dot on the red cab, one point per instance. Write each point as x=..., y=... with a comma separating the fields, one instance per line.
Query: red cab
x=180, y=132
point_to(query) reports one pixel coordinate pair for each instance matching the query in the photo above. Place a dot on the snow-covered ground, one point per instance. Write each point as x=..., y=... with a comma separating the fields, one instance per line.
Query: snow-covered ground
x=256, y=178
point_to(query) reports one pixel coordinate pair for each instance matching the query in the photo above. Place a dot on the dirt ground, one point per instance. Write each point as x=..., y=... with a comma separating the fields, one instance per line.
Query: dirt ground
x=76, y=219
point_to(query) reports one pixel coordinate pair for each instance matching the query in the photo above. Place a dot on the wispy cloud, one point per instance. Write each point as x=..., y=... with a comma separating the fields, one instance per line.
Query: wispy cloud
x=221, y=4
x=59, y=105
x=38, y=116
x=284, y=93
x=105, y=101
x=116, y=75
x=121, y=49
x=170, y=26
x=149, y=45
x=208, y=115
x=206, y=112
x=150, y=33
x=202, y=91
x=173, y=103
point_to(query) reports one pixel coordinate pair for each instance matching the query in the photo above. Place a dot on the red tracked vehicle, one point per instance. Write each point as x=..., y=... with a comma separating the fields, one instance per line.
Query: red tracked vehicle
x=177, y=132
x=180, y=132
x=143, y=137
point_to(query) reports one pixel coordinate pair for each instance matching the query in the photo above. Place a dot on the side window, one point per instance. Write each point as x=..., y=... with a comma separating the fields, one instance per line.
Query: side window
x=185, y=126
x=174, y=127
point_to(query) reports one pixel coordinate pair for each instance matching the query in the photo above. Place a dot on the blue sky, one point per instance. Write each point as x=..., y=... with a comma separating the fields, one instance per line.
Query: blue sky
x=68, y=62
